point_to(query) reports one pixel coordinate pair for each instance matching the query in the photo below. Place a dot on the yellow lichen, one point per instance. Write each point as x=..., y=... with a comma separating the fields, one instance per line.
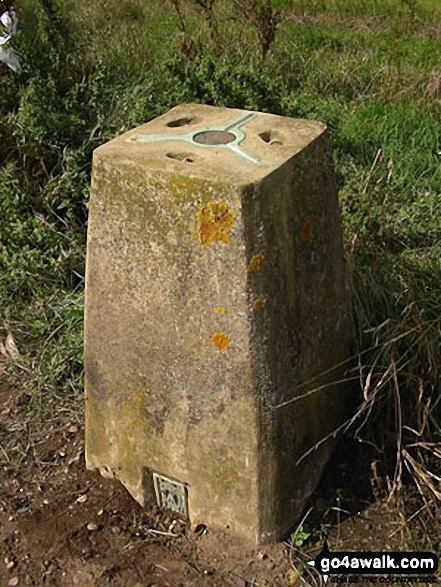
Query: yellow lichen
x=220, y=310
x=215, y=220
x=306, y=233
x=182, y=187
x=259, y=303
x=256, y=263
x=220, y=340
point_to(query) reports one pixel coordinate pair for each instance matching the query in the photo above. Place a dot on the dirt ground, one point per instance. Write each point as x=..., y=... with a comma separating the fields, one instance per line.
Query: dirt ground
x=64, y=526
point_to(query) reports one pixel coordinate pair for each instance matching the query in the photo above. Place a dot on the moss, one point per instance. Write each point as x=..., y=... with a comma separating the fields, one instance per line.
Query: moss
x=183, y=187
x=227, y=476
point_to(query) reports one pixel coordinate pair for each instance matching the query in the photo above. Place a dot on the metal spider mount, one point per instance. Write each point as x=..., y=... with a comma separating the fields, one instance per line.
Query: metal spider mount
x=228, y=136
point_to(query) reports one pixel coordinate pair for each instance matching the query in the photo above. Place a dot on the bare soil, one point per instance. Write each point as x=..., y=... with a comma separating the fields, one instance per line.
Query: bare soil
x=64, y=526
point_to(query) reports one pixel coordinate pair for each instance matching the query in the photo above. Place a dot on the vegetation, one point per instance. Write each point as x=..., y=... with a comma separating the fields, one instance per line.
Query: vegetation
x=368, y=68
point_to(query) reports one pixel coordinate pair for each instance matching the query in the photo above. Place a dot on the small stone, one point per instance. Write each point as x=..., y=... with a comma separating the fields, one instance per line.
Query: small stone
x=13, y=582
x=100, y=512
x=73, y=429
x=262, y=556
x=10, y=564
x=92, y=527
x=82, y=498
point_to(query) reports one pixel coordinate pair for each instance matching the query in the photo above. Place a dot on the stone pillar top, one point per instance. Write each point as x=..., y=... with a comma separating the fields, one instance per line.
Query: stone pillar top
x=227, y=143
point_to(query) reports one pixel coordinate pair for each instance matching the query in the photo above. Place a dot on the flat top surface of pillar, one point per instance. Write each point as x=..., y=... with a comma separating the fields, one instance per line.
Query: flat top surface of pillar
x=201, y=140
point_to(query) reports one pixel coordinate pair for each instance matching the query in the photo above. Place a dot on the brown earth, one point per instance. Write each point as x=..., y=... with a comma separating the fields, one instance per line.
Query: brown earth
x=64, y=526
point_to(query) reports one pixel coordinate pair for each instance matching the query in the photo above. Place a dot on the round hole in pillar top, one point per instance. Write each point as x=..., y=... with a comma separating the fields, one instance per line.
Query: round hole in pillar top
x=214, y=137
x=184, y=157
x=182, y=122
x=270, y=137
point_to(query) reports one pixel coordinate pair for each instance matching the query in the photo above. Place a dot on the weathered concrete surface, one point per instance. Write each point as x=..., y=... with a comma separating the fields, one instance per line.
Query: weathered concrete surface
x=215, y=292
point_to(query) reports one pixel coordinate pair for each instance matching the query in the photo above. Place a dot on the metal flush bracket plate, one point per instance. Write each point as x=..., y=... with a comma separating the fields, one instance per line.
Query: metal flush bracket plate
x=171, y=495
x=211, y=136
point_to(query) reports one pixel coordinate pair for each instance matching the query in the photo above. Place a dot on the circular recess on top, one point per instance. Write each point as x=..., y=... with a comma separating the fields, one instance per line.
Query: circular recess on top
x=184, y=157
x=214, y=137
x=181, y=122
x=270, y=137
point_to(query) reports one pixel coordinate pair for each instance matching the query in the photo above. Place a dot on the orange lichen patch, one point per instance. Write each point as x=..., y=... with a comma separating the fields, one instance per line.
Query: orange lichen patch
x=215, y=220
x=259, y=303
x=220, y=310
x=220, y=340
x=256, y=263
x=306, y=233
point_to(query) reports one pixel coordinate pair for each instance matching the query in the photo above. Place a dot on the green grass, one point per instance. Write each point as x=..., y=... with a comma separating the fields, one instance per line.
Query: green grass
x=424, y=9
x=94, y=70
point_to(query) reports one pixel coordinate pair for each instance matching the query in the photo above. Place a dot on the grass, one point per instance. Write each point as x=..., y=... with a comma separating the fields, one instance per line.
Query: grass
x=94, y=70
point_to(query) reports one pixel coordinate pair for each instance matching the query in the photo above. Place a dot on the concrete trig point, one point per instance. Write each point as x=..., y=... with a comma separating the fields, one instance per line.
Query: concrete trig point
x=215, y=301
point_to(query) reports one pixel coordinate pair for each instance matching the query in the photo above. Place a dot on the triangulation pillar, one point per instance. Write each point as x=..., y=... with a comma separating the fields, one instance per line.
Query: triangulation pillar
x=216, y=315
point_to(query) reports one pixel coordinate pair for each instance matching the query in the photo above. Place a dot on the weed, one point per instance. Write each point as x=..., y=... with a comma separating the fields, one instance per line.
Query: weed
x=267, y=19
